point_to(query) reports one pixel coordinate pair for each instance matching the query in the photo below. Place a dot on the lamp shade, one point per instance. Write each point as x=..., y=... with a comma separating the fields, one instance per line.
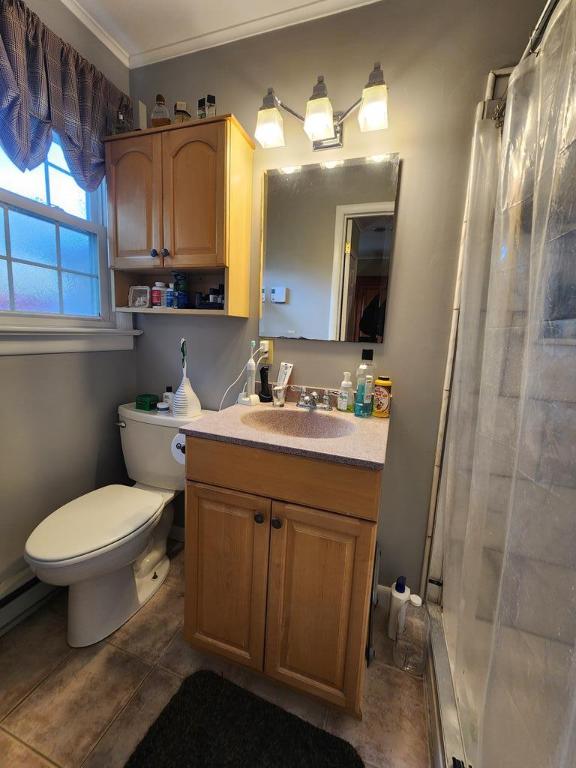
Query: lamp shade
x=269, y=128
x=319, y=120
x=373, y=114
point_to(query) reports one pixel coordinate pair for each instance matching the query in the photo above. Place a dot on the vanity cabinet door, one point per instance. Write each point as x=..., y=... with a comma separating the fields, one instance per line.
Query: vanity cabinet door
x=227, y=539
x=134, y=182
x=193, y=161
x=318, y=598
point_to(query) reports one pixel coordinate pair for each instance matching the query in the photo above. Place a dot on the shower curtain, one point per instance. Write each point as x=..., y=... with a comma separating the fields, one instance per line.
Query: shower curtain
x=508, y=489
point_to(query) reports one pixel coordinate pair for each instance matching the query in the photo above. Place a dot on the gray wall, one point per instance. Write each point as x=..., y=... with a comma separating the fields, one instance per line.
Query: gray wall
x=57, y=410
x=435, y=57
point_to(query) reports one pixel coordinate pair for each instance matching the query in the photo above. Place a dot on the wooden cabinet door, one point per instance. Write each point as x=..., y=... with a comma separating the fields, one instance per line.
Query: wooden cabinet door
x=193, y=161
x=227, y=539
x=134, y=179
x=318, y=598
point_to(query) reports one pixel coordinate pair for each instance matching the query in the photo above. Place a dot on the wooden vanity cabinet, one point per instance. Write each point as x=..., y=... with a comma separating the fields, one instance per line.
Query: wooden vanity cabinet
x=226, y=572
x=279, y=586
x=319, y=574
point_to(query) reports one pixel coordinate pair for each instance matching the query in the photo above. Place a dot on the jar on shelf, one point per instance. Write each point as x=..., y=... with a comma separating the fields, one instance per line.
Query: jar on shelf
x=160, y=114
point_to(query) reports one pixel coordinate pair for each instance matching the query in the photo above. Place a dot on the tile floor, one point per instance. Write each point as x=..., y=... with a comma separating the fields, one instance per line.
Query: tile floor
x=90, y=707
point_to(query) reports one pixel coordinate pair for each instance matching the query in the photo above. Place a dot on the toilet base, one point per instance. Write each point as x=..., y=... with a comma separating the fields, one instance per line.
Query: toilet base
x=97, y=607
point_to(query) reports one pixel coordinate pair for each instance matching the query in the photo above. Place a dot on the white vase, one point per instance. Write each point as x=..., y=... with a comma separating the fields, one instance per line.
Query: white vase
x=185, y=402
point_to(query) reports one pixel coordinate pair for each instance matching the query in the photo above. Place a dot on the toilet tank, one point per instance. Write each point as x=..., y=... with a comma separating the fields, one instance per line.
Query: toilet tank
x=147, y=447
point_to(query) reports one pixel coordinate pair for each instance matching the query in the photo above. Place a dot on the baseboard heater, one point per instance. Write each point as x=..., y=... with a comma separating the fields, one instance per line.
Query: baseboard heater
x=21, y=601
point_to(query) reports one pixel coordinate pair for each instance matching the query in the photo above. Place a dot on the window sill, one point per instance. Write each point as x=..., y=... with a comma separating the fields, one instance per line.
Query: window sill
x=42, y=340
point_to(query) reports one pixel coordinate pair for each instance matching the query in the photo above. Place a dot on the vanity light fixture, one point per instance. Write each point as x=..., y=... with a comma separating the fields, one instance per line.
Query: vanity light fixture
x=323, y=126
x=329, y=164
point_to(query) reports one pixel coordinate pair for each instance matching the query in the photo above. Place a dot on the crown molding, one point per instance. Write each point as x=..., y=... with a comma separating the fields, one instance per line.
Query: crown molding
x=98, y=31
x=214, y=38
x=230, y=34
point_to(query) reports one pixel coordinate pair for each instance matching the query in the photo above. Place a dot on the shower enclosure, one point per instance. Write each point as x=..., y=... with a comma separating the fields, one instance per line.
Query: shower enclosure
x=505, y=529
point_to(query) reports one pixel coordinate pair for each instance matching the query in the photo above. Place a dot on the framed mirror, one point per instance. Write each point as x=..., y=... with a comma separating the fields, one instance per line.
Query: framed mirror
x=328, y=235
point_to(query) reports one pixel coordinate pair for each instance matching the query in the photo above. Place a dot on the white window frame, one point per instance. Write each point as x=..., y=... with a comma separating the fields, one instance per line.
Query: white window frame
x=34, y=333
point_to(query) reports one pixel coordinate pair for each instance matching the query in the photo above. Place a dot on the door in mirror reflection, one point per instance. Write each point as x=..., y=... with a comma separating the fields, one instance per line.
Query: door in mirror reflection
x=327, y=249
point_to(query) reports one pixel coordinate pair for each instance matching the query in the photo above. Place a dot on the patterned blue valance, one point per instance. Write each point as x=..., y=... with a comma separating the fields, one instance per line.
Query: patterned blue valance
x=46, y=85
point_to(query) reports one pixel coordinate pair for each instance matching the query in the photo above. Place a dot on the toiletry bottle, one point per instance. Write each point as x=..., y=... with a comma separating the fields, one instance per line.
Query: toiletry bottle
x=158, y=294
x=382, y=397
x=168, y=396
x=363, y=401
x=399, y=594
x=345, y=394
x=170, y=295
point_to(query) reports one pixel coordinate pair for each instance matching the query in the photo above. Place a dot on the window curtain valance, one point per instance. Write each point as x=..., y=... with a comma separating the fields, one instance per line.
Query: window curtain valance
x=45, y=86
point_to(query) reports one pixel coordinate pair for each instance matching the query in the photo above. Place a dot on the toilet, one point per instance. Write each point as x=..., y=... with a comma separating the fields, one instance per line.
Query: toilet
x=109, y=546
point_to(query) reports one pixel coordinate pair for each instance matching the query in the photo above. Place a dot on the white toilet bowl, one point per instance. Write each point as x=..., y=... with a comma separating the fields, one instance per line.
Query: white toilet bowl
x=109, y=546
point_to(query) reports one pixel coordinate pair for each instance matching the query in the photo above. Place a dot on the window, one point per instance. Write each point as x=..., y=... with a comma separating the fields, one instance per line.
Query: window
x=52, y=244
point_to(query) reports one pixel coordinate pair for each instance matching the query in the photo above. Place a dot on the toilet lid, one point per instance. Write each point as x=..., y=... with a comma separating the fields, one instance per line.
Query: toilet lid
x=92, y=521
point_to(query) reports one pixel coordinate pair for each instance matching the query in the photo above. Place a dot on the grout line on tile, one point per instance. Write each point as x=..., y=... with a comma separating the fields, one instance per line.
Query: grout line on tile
x=120, y=711
x=38, y=684
x=29, y=746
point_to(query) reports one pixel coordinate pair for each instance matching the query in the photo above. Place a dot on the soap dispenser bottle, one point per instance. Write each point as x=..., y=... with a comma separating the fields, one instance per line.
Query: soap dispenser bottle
x=345, y=394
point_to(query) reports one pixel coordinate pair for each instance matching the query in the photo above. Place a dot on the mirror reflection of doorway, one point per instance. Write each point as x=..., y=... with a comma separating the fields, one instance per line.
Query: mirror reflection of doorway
x=363, y=246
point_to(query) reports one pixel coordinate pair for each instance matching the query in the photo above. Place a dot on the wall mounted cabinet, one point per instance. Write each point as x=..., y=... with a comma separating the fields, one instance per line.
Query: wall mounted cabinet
x=179, y=198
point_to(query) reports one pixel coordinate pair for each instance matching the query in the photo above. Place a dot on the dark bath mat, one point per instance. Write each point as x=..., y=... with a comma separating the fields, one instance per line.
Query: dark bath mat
x=212, y=723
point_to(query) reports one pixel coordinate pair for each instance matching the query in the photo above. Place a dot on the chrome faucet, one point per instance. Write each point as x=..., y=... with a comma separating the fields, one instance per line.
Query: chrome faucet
x=311, y=401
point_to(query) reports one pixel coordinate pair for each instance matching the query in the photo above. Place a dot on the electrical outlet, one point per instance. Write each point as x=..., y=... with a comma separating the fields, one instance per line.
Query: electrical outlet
x=267, y=349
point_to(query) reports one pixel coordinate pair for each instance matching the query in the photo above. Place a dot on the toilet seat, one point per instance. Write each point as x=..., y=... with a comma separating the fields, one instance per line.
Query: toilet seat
x=94, y=523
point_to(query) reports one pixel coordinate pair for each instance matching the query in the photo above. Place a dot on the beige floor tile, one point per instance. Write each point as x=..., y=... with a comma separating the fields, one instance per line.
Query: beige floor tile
x=126, y=732
x=292, y=701
x=183, y=660
x=148, y=633
x=65, y=716
x=13, y=754
x=392, y=733
x=28, y=653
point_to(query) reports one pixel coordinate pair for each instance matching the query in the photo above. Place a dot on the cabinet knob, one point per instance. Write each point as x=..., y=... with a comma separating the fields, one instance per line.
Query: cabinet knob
x=259, y=518
x=164, y=253
x=154, y=253
x=276, y=522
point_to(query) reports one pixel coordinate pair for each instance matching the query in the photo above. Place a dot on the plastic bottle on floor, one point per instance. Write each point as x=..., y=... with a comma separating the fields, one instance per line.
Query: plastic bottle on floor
x=412, y=637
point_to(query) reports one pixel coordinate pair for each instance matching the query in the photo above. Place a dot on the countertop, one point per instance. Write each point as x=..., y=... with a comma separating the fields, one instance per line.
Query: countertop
x=364, y=444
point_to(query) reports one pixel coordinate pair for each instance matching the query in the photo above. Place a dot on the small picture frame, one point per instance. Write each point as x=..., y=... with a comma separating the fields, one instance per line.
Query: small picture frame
x=139, y=296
